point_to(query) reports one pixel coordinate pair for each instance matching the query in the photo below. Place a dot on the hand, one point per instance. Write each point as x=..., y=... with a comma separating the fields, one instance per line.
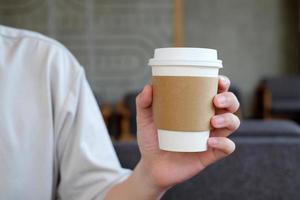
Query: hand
x=164, y=169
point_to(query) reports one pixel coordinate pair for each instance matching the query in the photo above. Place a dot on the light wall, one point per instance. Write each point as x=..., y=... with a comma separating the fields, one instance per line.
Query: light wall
x=114, y=39
x=254, y=38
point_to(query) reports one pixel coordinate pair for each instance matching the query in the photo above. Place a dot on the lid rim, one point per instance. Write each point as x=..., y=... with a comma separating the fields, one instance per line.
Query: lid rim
x=191, y=56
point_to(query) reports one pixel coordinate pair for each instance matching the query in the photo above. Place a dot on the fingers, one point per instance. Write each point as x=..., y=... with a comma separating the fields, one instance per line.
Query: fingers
x=228, y=121
x=226, y=100
x=223, y=84
x=226, y=103
x=143, y=105
x=222, y=146
x=221, y=132
x=219, y=147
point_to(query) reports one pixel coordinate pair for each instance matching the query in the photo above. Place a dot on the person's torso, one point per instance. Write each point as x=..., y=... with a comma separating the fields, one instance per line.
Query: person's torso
x=27, y=153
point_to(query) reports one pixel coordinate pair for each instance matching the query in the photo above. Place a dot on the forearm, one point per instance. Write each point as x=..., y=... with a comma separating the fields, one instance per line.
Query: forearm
x=136, y=186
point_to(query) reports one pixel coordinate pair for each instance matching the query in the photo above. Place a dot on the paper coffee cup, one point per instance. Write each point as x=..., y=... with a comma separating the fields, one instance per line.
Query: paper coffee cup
x=185, y=80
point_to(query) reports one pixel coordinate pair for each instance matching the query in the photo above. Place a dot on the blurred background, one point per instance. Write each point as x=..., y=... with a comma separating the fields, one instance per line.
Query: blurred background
x=113, y=39
x=258, y=41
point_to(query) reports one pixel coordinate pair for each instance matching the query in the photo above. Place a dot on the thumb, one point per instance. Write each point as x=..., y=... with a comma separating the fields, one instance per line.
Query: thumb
x=144, y=106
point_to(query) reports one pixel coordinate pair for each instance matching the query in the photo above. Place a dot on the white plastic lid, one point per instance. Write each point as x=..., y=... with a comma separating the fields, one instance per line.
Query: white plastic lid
x=186, y=56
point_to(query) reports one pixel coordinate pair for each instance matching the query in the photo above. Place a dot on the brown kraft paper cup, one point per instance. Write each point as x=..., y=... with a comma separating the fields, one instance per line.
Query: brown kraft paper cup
x=185, y=80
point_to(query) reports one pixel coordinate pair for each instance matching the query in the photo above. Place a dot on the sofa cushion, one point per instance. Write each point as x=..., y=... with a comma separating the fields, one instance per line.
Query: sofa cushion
x=286, y=107
x=284, y=87
x=273, y=128
x=260, y=168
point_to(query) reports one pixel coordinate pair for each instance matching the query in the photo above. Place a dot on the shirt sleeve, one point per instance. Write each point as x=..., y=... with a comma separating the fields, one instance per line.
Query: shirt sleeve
x=87, y=163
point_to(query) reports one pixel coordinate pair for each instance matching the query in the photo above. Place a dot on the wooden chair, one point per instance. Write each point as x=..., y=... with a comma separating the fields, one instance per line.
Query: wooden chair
x=281, y=97
x=125, y=115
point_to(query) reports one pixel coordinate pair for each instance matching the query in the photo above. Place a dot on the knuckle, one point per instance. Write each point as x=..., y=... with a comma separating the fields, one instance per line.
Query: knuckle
x=230, y=146
x=230, y=95
x=238, y=121
x=233, y=122
x=233, y=101
x=237, y=104
x=233, y=147
x=227, y=80
x=229, y=117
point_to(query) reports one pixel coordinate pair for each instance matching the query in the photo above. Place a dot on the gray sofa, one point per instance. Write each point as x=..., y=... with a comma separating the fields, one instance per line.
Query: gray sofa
x=264, y=166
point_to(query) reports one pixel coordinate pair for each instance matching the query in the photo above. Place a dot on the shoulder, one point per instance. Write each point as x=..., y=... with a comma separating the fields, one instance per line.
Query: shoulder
x=43, y=59
x=37, y=51
x=17, y=35
x=29, y=41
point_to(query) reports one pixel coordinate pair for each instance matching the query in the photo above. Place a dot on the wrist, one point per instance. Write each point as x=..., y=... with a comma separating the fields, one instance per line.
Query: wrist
x=138, y=185
x=144, y=176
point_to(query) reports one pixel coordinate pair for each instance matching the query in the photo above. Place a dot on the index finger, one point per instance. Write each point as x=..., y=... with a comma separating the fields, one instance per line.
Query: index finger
x=223, y=84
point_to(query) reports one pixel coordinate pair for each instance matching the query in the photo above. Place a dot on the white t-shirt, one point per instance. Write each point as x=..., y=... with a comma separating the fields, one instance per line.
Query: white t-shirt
x=53, y=141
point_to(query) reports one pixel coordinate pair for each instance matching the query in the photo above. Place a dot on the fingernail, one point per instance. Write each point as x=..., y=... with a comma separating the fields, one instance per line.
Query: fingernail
x=213, y=141
x=219, y=120
x=223, y=79
x=221, y=99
